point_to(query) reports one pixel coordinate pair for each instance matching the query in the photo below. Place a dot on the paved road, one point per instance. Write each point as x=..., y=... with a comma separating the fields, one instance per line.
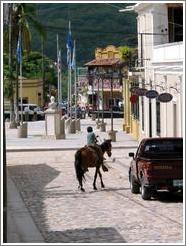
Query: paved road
x=63, y=214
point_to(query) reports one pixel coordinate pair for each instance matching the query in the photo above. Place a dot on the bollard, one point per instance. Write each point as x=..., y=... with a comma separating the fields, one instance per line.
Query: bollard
x=112, y=135
x=34, y=118
x=73, y=126
x=98, y=124
x=26, y=116
x=78, y=125
x=62, y=128
x=22, y=130
x=93, y=116
x=102, y=127
x=67, y=125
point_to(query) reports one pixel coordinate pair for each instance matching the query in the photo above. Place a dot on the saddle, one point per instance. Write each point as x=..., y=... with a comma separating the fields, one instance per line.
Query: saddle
x=99, y=153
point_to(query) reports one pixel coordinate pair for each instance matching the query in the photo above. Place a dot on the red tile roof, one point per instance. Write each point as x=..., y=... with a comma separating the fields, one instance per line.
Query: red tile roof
x=104, y=62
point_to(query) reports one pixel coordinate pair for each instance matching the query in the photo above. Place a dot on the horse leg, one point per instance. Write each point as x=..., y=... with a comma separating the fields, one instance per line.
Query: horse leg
x=100, y=175
x=81, y=185
x=95, y=177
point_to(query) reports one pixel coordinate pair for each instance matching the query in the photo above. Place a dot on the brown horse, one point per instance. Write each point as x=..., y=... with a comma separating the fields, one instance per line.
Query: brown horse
x=91, y=156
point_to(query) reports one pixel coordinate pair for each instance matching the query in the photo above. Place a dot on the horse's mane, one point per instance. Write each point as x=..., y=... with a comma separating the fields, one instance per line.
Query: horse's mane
x=106, y=144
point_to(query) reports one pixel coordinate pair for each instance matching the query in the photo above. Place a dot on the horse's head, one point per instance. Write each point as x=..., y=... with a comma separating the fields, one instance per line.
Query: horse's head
x=106, y=146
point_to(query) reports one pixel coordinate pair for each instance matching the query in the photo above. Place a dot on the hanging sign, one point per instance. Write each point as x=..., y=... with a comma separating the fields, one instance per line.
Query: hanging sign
x=165, y=97
x=133, y=89
x=133, y=99
x=151, y=94
x=140, y=91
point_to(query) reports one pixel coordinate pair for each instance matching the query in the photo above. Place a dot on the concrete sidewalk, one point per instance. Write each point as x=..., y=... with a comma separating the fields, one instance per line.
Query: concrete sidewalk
x=36, y=131
x=20, y=225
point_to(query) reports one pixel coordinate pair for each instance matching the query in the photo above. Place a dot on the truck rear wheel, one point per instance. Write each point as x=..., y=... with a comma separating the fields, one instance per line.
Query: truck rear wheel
x=145, y=192
x=134, y=186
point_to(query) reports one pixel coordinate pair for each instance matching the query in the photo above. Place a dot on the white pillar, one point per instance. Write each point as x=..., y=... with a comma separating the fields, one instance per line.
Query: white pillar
x=180, y=107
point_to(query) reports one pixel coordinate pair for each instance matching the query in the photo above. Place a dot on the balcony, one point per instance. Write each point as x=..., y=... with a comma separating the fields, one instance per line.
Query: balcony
x=170, y=52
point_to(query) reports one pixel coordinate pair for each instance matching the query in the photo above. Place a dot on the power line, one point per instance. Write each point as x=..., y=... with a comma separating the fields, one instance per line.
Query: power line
x=112, y=5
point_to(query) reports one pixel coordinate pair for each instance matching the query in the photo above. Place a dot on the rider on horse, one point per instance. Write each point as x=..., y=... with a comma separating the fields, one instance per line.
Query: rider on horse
x=92, y=143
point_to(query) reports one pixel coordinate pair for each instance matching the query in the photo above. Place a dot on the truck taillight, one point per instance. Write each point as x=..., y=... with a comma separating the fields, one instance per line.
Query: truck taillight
x=147, y=166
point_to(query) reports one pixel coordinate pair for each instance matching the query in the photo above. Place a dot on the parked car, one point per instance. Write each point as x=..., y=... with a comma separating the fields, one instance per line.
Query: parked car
x=81, y=114
x=157, y=165
x=33, y=111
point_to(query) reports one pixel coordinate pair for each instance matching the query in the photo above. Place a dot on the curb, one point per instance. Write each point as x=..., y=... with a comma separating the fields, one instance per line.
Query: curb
x=60, y=149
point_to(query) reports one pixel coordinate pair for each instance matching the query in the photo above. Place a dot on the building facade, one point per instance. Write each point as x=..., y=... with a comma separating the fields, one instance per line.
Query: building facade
x=32, y=91
x=160, y=68
x=99, y=89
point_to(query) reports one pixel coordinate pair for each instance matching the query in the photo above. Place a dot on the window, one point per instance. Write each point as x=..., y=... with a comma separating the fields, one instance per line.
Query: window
x=164, y=147
x=110, y=54
x=142, y=113
x=135, y=109
x=175, y=22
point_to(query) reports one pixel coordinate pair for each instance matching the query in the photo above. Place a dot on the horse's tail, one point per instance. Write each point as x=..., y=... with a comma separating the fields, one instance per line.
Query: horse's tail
x=78, y=168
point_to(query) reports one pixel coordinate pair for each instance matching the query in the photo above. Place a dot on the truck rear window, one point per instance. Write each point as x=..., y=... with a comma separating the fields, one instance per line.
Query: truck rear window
x=164, y=147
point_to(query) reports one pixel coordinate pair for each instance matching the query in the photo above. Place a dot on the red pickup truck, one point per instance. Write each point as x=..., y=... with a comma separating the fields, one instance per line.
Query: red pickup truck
x=157, y=165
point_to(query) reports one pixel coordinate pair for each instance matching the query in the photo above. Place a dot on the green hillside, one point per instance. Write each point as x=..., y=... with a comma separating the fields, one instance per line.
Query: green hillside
x=92, y=25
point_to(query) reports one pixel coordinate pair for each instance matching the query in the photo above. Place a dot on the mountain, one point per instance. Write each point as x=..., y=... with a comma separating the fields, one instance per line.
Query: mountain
x=92, y=24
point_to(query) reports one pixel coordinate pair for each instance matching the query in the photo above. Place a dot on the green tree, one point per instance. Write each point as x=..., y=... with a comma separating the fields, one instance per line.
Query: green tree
x=20, y=15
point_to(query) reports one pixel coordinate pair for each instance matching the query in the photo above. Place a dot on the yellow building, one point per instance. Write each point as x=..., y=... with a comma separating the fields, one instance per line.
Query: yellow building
x=32, y=91
x=130, y=121
x=107, y=58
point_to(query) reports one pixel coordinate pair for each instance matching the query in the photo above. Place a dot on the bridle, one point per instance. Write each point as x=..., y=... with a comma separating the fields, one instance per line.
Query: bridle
x=107, y=147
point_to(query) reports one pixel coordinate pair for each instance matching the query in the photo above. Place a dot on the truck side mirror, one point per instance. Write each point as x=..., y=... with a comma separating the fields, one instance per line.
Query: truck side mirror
x=131, y=154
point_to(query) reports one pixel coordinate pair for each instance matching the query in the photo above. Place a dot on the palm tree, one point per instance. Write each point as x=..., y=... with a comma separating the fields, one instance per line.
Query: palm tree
x=21, y=15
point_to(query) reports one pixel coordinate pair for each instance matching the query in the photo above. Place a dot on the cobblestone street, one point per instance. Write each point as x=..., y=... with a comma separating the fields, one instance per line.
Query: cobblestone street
x=63, y=214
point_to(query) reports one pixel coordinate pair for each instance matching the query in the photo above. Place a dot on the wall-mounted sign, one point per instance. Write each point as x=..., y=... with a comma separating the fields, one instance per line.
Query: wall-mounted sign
x=165, y=97
x=133, y=99
x=140, y=91
x=133, y=89
x=151, y=94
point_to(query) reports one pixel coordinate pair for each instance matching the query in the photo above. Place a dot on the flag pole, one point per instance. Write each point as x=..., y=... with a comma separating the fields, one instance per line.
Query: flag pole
x=60, y=79
x=68, y=104
x=20, y=72
x=57, y=70
x=21, y=91
x=75, y=80
x=70, y=86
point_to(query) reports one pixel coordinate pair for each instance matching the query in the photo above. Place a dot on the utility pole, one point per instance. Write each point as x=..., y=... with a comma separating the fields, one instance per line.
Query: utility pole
x=13, y=124
x=43, y=68
x=58, y=80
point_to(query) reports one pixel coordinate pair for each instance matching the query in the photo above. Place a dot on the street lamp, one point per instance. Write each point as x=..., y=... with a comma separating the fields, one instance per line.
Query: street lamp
x=98, y=78
x=100, y=74
x=112, y=73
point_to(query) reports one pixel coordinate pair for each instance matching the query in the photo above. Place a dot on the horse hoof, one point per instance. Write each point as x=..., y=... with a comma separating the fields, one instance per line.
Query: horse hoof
x=82, y=189
x=95, y=188
x=102, y=186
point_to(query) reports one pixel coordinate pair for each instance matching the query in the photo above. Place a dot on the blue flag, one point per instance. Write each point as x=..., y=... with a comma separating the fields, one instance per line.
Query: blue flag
x=73, y=64
x=19, y=49
x=59, y=60
x=69, y=47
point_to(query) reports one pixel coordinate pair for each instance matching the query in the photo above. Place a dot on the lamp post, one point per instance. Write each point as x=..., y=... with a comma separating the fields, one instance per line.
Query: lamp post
x=112, y=74
x=98, y=77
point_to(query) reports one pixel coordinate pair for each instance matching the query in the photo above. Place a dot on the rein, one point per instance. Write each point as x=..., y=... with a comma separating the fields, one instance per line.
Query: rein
x=104, y=146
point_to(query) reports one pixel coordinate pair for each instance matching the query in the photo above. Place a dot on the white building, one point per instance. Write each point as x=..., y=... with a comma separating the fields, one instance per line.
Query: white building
x=161, y=58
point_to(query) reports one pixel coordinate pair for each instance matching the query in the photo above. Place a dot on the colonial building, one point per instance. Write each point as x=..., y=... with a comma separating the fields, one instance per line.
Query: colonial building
x=160, y=70
x=99, y=89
